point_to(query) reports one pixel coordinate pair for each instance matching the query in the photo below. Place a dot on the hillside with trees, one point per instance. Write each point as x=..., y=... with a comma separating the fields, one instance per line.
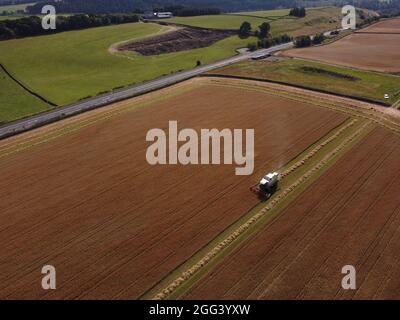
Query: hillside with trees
x=32, y=26
x=119, y=6
x=114, y=6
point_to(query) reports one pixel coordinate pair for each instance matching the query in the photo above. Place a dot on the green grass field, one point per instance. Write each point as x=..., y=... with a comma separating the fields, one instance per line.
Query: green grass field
x=317, y=20
x=15, y=102
x=15, y=7
x=72, y=65
x=2, y=18
x=369, y=85
x=272, y=14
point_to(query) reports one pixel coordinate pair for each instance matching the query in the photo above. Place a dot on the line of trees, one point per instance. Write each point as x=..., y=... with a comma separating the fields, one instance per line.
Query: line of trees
x=265, y=40
x=303, y=41
x=307, y=41
x=120, y=6
x=32, y=26
x=115, y=6
x=10, y=13
x=88, y=6
x=246, y=30
x=13, y=2
x=298, y=12
x=270, y=42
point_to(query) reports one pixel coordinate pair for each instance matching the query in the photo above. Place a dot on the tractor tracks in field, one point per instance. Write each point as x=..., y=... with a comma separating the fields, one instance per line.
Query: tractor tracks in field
x=188, y=274
x=396, y=105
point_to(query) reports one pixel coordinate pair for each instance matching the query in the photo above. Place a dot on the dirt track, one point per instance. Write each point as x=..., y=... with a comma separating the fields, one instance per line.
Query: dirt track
x=369, y=51
x=89, y=203
x=351, y=215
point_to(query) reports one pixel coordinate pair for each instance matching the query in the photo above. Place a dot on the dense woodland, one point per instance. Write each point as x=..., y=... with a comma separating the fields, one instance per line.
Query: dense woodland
x=298, y=12
x=121, y=6
x=114, y=6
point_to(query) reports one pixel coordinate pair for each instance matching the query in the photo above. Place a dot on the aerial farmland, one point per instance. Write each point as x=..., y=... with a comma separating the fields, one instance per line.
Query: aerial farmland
x=374, y=48
x=236, y=153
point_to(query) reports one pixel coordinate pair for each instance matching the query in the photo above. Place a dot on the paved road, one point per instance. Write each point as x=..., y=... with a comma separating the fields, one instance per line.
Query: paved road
x=69, y=110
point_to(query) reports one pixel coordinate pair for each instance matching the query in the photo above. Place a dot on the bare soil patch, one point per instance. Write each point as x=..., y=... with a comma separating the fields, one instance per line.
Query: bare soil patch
x=178, y=40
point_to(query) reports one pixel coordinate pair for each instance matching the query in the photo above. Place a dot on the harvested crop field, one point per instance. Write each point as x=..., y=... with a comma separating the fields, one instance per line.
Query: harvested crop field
x=386, y=26
x=350, y=216
x=369, y=51
x=86, y=201
x=179, y=40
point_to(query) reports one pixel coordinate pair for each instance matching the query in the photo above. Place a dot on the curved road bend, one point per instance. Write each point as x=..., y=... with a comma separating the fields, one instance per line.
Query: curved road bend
x=99, y=101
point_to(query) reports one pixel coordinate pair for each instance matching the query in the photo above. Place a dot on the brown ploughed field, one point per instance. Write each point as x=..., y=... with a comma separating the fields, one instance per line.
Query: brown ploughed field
x=88, y=203
x=349, y=216
x=362, y=50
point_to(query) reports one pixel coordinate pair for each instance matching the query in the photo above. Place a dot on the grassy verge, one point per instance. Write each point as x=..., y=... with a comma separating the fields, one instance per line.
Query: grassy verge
x=357, y=130
x=339, y=80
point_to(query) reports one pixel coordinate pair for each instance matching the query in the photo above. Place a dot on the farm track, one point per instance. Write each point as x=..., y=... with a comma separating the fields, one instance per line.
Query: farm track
x=92, y=211
x=299, y=254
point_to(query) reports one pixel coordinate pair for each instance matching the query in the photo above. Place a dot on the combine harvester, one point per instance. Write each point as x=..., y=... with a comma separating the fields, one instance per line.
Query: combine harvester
x=267, y=186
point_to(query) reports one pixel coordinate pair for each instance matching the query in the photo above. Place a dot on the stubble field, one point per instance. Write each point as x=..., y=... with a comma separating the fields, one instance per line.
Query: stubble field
x=350, y=216
x=86, y=201
x=367, y=50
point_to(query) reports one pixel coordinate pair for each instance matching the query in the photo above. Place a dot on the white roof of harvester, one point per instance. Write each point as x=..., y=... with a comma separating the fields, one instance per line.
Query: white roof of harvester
x=269, y=177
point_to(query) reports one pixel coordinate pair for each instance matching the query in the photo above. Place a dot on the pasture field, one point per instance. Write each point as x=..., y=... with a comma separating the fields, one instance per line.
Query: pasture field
x=69, y=66
x=350, y=216
x=335, y=79
x=272, y=14
x=317, y=20
x=362, y=50
x=15, y=7
x=82, y=195
x=2, y=18
x=15, y=102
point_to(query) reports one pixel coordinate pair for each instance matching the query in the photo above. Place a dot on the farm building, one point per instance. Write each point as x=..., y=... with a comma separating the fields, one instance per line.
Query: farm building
x=157, y=15
x=163, y=15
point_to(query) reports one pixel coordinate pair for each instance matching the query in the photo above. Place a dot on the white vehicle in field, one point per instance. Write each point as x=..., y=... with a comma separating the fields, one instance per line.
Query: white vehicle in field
x=267, y=186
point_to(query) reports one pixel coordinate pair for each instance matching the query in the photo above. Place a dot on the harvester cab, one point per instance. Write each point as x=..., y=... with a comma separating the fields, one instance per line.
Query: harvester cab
x=269, y=183
x=267, y=186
